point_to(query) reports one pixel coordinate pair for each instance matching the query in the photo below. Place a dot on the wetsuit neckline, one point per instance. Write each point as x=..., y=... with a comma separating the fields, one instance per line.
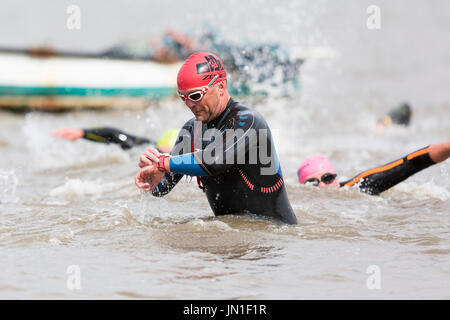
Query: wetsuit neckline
x=218, y=121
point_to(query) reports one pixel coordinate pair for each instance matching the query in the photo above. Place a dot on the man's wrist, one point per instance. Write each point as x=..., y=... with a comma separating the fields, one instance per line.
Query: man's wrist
x=163, y=163
x=167, y=163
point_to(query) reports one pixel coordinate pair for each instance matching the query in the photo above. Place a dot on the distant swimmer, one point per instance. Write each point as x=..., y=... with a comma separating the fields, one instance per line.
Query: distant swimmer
x=400, y=115
x=116, y=136
x=227, y=146
x=318, y=171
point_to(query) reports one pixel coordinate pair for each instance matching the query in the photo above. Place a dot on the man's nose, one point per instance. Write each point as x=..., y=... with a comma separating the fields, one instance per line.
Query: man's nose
x=190, y=104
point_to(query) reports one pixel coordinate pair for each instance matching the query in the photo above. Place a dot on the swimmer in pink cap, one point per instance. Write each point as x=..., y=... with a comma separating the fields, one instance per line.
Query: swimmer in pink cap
x=318, y=171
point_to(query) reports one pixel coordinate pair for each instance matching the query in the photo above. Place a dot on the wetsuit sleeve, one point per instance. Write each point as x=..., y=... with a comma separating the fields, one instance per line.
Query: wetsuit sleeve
x=181, y=146
x=227, y=147
x=380, y=179
x=112, y=135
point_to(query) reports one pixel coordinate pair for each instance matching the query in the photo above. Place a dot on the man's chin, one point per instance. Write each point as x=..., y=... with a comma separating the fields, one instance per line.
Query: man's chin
x=200, y=118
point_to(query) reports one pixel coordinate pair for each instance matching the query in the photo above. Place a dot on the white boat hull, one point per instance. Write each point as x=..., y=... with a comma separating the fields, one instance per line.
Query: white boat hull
x=68, y=82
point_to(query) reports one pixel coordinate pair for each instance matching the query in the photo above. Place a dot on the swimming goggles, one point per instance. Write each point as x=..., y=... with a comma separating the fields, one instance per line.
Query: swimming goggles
x=197, y=95
x=326, y=178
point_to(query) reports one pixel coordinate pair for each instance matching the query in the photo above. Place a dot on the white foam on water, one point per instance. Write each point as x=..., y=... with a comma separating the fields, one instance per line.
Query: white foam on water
x=359, y=216
x=444, y=168
x=424, y=190
x=215, y=224
x=8, y=186
x=55, y=242
x=75, y=188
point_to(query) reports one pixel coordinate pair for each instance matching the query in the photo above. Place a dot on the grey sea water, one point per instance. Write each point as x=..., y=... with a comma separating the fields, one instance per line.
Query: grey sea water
x=68, y=206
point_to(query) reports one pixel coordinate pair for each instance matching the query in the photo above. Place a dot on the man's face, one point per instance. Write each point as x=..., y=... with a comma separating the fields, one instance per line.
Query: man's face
x=204, y=110
x=318, y=178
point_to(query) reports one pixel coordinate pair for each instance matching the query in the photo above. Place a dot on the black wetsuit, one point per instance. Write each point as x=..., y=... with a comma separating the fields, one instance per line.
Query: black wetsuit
x=400, y=115
x=381, y=178
x=112, y=135
x=241, y=175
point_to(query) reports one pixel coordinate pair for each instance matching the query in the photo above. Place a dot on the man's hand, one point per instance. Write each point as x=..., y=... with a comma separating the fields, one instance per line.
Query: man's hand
x=68, y=133
x=148, y=158
x=148, y=177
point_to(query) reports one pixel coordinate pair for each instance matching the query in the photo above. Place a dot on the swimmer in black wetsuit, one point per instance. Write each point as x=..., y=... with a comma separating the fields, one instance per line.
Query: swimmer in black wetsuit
x=116, y=136
x=317, y=170
x=228, y=146
x=400, y=116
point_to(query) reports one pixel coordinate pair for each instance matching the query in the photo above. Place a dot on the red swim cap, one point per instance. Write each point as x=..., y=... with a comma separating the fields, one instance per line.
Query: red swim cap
x=199, y=69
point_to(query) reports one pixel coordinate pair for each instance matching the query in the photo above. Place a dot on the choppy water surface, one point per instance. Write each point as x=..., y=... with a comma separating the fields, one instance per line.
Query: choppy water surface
x=75, y=203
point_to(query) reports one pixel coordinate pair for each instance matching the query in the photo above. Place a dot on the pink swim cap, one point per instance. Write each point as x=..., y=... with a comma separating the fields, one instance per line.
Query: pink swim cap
x=199, y=69
x=313, y=164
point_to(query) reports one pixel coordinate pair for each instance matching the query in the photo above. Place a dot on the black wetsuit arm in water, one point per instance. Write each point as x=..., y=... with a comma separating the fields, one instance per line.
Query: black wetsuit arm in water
x=380, y=179
x=116, y=136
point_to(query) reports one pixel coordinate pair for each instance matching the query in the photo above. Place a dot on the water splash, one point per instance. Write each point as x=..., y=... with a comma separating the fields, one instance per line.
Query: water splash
x=76, y=188
x=424, y=190
x=48, y=152
x=8, y=186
